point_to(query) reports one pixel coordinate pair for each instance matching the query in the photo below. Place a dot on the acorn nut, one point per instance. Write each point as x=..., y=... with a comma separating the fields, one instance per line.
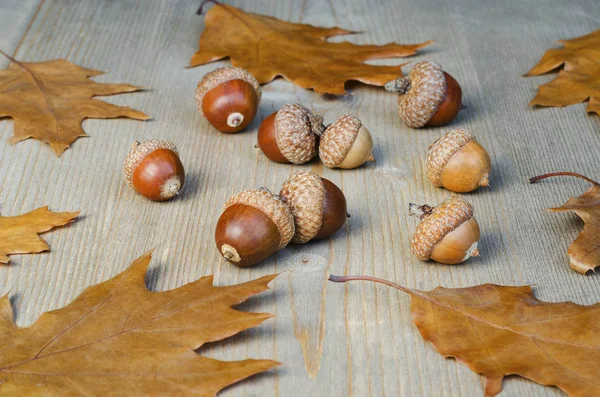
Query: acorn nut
x=154, y=170
x=428, y=95
x=228, y=97
x=290, y=134
x=346, y=143
x=318, y=206
x=254, y=224
x=458, y=162
x=447, y=234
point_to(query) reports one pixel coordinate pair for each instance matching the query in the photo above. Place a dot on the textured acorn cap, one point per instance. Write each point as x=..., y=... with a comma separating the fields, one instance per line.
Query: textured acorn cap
x=296, y=130
x=447, y=216
x=270, y=205
x=442, y=150
x=337, y=140
x=304, y=193
x=426, y=92
x=222, y=75
x=140, y=150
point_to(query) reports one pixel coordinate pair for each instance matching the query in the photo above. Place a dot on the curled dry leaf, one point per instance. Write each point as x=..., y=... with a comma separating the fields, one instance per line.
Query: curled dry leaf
x=49, y=100
x=19, y=234
x=497, y=331
x=119, y=338
x=580, y=79
x=268, y=47
x=584, y=252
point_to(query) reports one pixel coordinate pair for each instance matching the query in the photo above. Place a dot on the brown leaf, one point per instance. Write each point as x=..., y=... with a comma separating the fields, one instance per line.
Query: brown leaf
x=49, y=100
x=19, y=234
x=584, y=252
x=497, y=331
x=268, y=47
x=580, y=79
x=118, y=338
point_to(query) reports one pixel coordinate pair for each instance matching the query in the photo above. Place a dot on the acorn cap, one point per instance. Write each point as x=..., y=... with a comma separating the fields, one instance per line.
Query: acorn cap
x=434, y=226
x=304, y=192
x=425, y=91
x=222, y=75
x=140, y=150
x=296, y=130
x=270, y=205
x=442, y=150
x=337, y=140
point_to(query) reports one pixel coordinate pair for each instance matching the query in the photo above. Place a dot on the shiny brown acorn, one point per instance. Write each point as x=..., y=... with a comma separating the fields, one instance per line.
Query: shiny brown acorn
x=428, y=95
x=154, y=170
x=458, y=162
x=254, y=224
x=318, y=206
x=228, y=97
x=447, y=234
x=290, y=134
x=346, y=143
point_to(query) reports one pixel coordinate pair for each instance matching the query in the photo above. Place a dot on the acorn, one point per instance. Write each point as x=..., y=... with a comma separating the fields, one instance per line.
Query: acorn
x=458, y=162
x=346, y=143
x=447, y=234
x=318, y=206
x=228, y=97
x=290, y=134
x=154, y=170
x=254, y=224
x=428, y=95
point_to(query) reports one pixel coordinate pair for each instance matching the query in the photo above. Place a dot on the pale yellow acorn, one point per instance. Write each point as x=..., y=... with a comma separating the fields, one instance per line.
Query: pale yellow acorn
x=447, y=234
x=318, y=205
x=458, y=162
x=346, y=143
x=290, y=134
x=428, y=95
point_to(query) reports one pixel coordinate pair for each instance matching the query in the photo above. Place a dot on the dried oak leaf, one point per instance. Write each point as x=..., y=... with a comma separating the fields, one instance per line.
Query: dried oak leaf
x=580, y=79
x=497, y=331
x=49, y=101
x=19, y=234
x=584, y=252
x=268, y=47
x=119, y=338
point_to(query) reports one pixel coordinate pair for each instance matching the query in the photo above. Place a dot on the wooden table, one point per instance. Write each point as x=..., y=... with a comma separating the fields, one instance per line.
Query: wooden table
x=334, y=340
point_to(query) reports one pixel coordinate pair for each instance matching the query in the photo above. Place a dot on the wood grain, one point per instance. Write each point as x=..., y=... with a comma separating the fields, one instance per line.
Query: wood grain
x=356, y=340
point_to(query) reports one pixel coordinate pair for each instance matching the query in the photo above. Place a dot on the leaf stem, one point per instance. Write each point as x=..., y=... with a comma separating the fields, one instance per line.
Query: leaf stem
x=342, y=279
x=538, y=178
x=9, y=57
x=201, y=11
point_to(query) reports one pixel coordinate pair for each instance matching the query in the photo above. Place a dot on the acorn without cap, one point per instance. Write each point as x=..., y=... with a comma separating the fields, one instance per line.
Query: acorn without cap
x=458, y=162
x=154, y=170
x=228, y=97
x=428, y=95
x=254, y=224
x=346, y=143
x=290, y=134
x=318, y=205
x=447, y=234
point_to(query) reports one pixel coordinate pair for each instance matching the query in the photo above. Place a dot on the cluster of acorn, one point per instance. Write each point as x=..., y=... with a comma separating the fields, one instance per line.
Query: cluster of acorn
x=229, y=97
x=256, y=223
x=448, y=233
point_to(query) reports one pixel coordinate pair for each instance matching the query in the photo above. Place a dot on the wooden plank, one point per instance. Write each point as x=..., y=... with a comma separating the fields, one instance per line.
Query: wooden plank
x=358, y=339
x=15, y=18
